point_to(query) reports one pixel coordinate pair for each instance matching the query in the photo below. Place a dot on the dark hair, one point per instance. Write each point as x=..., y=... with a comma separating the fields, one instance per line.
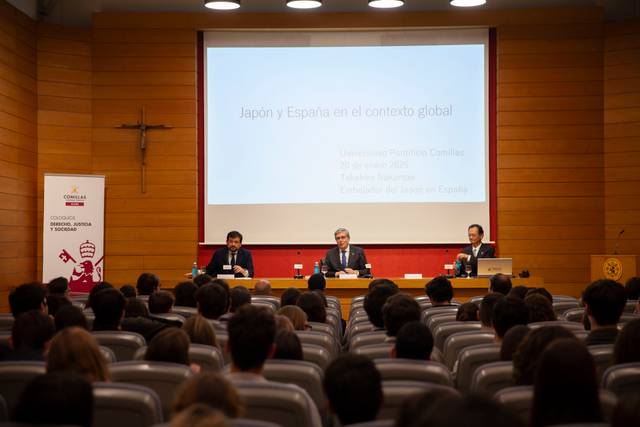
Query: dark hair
x=605, y=300
x=627, y=346
x=540, y=308
x=211, y=389
x=28, y=296
x=500, y=283
x=70, y=315
x=527, y=355
x=354, y=388
x=59, y=285
x=317, y=282
x=234, y=235
x=128, y=291
x=288, y=346
x=439, y=290
x=212, y=301
x=202, y=279
x=160, y=302
x=479, y=227
x=414, y=341
x=135, y=308
x=62, y=398
x=565, y=387
x=55, y=302
x=507, y=313
x=312, y=304
x=376, y=282
x=31, y=330
x=186, y=294
x=511, y=341
x=399, y=310
x=518, y=292
x=415, y=405
x=290, y=296
x=375, y=300
x=92, y=293
x=240, y=295
x=251, y=331
x=108, y=307
x=467, y=312
x=147, y=283
x=632, y=288
x=169, y=345
x=486, y=308
x=540, y=291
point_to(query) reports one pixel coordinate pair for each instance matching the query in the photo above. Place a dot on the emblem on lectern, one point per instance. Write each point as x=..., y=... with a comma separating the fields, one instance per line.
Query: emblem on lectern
x=612, y=268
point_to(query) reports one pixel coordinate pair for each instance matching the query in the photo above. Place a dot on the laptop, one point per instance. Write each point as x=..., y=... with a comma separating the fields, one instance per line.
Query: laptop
x=489, y=266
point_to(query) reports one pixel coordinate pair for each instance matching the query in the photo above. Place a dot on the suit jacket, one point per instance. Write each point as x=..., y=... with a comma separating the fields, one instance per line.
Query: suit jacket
x=221, y=258
x=485, y=251
x=357, y=261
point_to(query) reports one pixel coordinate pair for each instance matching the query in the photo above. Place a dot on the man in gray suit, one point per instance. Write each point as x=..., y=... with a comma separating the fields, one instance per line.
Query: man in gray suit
x=345, y=258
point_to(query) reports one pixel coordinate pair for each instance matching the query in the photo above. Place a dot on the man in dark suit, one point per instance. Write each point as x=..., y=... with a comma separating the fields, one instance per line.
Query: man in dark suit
x=232, y=259
x=477, y=249
x=345, y=258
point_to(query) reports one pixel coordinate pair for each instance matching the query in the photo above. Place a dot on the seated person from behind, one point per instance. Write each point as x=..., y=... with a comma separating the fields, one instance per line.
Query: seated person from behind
x=345, y=258
x=263, y=287
x=413, y=341
x=398, y=310
x=232, y=259
x=477, y=249
x=500, y=283
x=439, y=291
x=604, y=301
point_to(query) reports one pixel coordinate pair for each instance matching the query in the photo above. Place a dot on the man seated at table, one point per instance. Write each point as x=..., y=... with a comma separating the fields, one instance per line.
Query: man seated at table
x=345, y=258
x=232, y=259
x=470, y=254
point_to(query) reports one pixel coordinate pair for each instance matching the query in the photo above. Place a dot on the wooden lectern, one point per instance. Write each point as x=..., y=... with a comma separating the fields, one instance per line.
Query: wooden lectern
x=615, y=267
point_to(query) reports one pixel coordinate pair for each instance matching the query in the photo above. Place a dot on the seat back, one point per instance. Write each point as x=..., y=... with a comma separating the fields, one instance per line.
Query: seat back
x=316, y=354
x=622, y=379
x=6, y=321
x=163, y=378
x=491, y=377
x=174, y=317
x=456, y=342
x=445, y=330
x=125, y=405
x=438, y=319
x=602, y=356
x=305, y=375
x=630, y=306
x=432, y=311
x=560, y=306
x=183, y=311
x=627, y=317
x=265, y=300
x=319, y=338
x=573, y=314
x=14, y=376
x=375, y=351
x=208, y=357
x=222, y=337
x=265, y=304
x=367, y=338
x=108, y=354
x=396, y=392
x=470, y=359
x=274, y=402
x=572, y=326
x=246, y=422
x=414, y=370
x=123, y=344
x=322, y=327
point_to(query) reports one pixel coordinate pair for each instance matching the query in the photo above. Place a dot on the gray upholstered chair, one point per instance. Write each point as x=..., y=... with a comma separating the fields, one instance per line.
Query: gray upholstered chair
x=460, y=340
x=396, y=392
x=488, y=379
x=125, y=405
x=622, y=379
x=306, y=375
x=414, y=370
x=123, y=344
x=317, y=355
x=445, y=330
x=14, y=376
x=375, y=351
x=470, y=359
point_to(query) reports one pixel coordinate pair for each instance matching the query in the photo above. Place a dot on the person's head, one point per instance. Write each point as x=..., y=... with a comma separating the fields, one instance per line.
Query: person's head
x=312, y=304
x=627, y=346
x=439, y=291
x=92, y=293
x=59, y=285
x=511, y=341
x=418, y=404
x=467, y=312
x=527, y=355
x=604, y=301
x=500, y=283
x=381, y=281
x=211, y=389
x=342, y=238
x=160, y=302
x=240, y=296
x=234, y=241
x=283, y=323
x=169, y=345
x=199, y=415
x=317, y=282
x=252, y=332
x=475, y=233
x=55, y=399
x=75, y=350
x=262, y=287
x=128, y=291
x=519, y=292
x=202, y=279
x=375, y=300
x=565, y=386
x=540, y=291
x=486, y=308
x=288, y=346
x=632, y=288
x=212, y=301
x=108, y=308
x=507, y=313
x=399, y=310
x=185, y=293
x=540, y=308
x=29, y=296
x=413, y=341
x=70, y=315
x=290, y=296
x=296, y=315
x=354, y=388
x=200, y=331
x=135, y=308
x=55, y=301
x=31, y=331
x=147, y=284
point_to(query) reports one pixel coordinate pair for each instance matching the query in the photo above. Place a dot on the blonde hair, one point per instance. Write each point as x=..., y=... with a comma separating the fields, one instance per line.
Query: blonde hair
x=296, y=315
x=200, y=331
x=199, y=415
x=75, y=350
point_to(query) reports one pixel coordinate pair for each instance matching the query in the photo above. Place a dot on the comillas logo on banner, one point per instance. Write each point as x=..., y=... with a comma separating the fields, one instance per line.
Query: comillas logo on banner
x=73, y=230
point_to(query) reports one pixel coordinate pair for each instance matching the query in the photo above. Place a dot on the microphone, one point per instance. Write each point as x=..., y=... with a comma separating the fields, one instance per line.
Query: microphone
x=615, y=249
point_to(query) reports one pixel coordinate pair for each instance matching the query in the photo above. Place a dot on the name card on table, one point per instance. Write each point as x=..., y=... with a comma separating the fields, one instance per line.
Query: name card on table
x=297, y=266
x=413, y=275
x=348, y=276
x=226, y=276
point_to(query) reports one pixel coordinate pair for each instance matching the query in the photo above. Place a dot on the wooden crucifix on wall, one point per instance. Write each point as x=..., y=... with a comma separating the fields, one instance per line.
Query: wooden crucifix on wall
x=142, y=128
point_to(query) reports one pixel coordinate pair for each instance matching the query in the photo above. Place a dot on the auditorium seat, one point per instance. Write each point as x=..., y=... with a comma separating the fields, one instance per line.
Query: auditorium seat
x=477, y=300
x=208, y=357
x=414, y=370
x=265, y=304
x=445, y=330
x=358, y=329
x=358, y=298
x=334, y=319
x=246, y=422
x=358, y=316
x=222, y=337
x=426, y=314
x=560, y=306
x=622, y=379
x=316, y=354
x=4, y=338
x=602, y=356
x=319, y=338
x=108, y=354
x=627, y=317
x=185, y=312
x=396, y=392
x=14, y=376
x=334, y=302
x=4, y=412
x=163, y=378
x=456, y=342
x=123, y=344
x=375, y=351
x=262, y=298
x=376, y=423
x=564, y=298
x=491, y=377
x=305, y=375
x=438, y=319
x=630, y=306
x=6, y=321
x=174, y=317
x=367, y=338
x=572, y=326
x=470, y=359
x=573, y=315
x=322, y=327
x=125, y=405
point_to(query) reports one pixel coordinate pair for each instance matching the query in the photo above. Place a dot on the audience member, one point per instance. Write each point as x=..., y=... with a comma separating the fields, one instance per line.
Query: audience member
x=29, y=296
x=97, y=288
x=540, y=308
x=30, y=336
x=317, y=282
x=413, y=341
x=283, y=323
x=199, y=415
x=59, y=285
x=512, y=340
x=500, y=283
x=632, y=288
x=290, y=297
x=70, y=315
x=467, y=312
x=288, y=346
x=240, y=296
x=627, y=345
x=375, y=300
x=75, y=350
x=297, y=317
x=55, y=302
x=540, y=291
x=185, y=293
x=262, y=287
x=171, y=345
x=212, y=301
x=202, y=279
x=312, y=305
x=486, y=309
x=200, y=331
x=507, y=313
x=382, y=281
x=135, y=308
x=439, y=291
x=160, y=302
x=128, y=291
x=354, y=389
x=147, y=284
x=211, y=389
x=518, y=292
x=418, y=404
x=399, y=310
x=604, y=301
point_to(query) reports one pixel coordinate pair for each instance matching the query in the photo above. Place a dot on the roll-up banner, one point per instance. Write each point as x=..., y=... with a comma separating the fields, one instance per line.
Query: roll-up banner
x=73, y=230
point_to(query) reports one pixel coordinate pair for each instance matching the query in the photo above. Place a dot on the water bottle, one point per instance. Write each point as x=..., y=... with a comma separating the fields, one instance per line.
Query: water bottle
x=316, y=268
x=458, y=270
x=194, y=270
